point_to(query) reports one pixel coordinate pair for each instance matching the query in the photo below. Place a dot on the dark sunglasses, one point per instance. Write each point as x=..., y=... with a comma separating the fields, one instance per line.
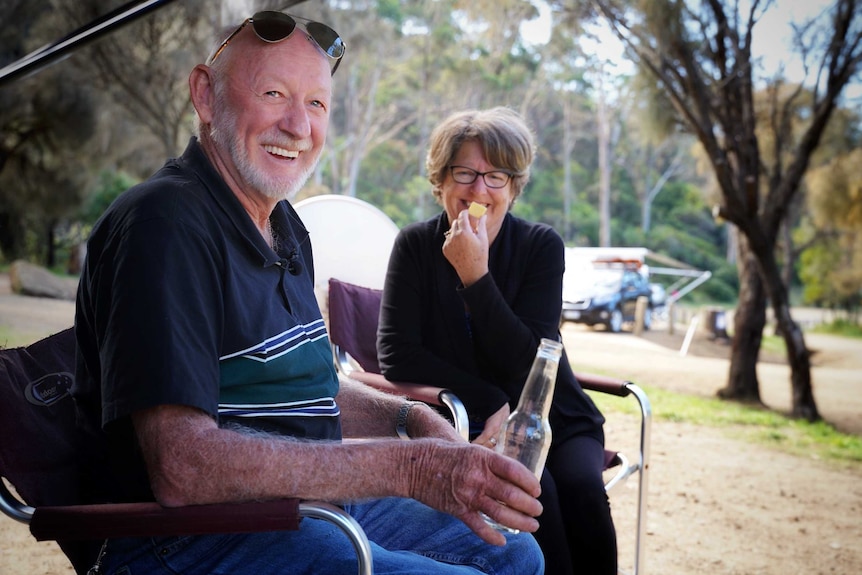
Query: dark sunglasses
x=274, y=27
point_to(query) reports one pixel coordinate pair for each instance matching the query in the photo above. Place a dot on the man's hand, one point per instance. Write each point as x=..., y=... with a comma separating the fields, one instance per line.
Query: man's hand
x=465, y=480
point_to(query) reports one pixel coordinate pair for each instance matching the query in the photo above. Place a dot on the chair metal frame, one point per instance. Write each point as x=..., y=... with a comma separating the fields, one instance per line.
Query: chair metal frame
x=147, y=519
x=81, y=523
x=436, y=396
x=350, y=367
x=624, y=388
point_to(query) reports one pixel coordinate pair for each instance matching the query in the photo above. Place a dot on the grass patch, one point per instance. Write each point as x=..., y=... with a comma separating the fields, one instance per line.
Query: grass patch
x=15, y=338
x=773, y=344
x=840, y=327
x=817, y=440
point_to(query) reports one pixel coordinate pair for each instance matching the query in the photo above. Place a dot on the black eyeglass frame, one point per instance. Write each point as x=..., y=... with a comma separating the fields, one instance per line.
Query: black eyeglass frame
x=327, y=39
x=476, y=174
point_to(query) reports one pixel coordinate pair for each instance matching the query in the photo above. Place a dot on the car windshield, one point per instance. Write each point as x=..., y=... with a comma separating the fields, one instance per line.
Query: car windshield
x=607, y=278
x=590, y=279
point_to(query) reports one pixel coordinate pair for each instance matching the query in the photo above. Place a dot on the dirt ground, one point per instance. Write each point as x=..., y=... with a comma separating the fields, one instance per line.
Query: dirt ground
x=716, y=503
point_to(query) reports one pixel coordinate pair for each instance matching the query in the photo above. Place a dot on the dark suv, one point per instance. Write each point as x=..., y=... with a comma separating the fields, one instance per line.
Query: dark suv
x=606, y=295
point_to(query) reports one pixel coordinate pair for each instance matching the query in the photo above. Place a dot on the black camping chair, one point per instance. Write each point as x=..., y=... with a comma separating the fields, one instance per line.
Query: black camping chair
x=48, y=460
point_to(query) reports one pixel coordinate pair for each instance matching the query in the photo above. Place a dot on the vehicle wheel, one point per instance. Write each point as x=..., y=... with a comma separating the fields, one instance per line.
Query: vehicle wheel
x=648, y=319
x=615, y=322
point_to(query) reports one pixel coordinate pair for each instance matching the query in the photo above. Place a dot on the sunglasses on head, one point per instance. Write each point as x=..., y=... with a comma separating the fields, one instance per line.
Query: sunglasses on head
x=273, y=27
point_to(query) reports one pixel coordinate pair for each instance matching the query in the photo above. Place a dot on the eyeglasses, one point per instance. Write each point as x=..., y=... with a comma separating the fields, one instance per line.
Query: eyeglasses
x=273, y=27
x=493, y=179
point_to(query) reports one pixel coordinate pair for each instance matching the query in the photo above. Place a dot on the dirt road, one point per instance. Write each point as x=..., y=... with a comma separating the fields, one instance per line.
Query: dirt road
x=717, y=504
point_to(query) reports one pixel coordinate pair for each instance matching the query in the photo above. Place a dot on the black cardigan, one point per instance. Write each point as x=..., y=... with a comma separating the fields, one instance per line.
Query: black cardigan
x=425, y=335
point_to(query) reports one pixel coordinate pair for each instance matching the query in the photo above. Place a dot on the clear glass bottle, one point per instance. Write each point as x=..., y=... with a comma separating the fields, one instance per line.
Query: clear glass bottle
x=527, y=433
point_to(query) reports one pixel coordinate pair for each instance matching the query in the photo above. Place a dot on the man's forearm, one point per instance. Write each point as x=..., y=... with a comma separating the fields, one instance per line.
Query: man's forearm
x=367, y=412
x=192, y=461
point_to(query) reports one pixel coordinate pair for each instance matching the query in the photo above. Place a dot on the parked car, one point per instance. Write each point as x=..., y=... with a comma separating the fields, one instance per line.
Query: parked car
x=658, y=297
x=606, y=296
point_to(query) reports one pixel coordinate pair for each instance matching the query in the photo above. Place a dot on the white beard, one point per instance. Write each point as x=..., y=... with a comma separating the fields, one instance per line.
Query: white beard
x=223, y=132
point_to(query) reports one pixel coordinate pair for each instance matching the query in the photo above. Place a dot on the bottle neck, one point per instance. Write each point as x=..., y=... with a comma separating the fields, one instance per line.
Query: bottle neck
x=538, y=391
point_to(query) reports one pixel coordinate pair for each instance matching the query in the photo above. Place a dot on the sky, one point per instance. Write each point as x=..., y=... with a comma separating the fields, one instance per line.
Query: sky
x=771, y=40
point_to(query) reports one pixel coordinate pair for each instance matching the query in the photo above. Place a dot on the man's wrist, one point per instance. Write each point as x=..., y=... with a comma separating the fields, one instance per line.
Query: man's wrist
x=401, y=420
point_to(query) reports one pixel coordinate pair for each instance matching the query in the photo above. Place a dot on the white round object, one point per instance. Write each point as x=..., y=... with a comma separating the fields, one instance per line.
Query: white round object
x=351, y=239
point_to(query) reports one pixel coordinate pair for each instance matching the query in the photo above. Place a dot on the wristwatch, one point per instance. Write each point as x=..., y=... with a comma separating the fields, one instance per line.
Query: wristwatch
x=401, y=421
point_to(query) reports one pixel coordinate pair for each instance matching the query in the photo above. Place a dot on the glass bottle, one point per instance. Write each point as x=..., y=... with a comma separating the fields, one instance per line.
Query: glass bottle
x=526, y=436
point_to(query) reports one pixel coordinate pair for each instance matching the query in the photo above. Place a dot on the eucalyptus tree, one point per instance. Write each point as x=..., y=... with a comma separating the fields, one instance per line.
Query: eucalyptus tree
x=408, y=65
x=143, y=69
x=835, y=203
x=45, y=120
x=700, y=55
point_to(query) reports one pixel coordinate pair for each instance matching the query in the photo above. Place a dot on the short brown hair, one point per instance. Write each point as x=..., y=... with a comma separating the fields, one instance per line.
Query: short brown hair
x=505, y=139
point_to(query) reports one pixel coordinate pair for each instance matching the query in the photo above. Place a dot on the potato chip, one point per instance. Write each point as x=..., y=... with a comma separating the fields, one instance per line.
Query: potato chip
x=476, y=210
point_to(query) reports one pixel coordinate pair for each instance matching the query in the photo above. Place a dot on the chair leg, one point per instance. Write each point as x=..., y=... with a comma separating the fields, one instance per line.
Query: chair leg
x=646, y=420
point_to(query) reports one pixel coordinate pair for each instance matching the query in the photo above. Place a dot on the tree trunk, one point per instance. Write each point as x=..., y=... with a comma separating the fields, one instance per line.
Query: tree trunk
x=10, y=236
x=604, y=142
x=748, y=323
x=50, y=245
x=568, y=188
x=798, y=356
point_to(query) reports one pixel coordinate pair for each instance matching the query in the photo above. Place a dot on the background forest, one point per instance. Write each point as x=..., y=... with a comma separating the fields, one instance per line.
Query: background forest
x=612, y=169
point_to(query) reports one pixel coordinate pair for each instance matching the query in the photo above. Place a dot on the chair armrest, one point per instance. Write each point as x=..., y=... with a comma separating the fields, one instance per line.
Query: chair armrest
x=102, y=521
x=105, y=521
x=12, y=506
x=429, y=394
x=424, y=393
x=603, y=384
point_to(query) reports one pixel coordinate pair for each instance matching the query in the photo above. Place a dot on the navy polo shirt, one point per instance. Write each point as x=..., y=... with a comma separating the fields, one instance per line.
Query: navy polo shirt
x=181, y=301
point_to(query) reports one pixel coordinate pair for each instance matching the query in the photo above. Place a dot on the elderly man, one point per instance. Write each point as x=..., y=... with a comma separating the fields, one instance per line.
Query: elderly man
x=204, y=361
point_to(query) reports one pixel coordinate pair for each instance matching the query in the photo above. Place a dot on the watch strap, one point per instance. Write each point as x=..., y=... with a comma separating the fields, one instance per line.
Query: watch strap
x=401, y=421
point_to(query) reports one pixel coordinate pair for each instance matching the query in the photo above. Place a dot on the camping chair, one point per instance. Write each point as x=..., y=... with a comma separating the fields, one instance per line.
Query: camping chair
x=353, y=318
x=45, y=457
x=352, y=240
x=353, y=315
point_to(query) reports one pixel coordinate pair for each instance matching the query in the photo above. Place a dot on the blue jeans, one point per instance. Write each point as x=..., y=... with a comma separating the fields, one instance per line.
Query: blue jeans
x=406, y=536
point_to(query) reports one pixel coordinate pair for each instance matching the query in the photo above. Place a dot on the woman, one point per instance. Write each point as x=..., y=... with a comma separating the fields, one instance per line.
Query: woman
x=465, y=302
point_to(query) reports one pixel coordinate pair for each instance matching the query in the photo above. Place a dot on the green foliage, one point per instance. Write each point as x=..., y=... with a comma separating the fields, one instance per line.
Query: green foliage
x=390, y=10
x=829, y=276
x=585, y=216
x=409, y=64
x=108, y=186
x=10, y=338
x=842, y=327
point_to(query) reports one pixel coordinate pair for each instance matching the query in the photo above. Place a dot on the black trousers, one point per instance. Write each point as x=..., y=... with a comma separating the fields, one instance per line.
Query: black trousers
x=576, y=531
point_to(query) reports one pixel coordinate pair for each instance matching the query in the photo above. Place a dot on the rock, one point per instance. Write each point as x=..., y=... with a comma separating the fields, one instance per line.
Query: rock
x=32, y=280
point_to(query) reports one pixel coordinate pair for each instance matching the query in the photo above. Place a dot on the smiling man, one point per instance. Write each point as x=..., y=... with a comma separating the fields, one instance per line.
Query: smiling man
x=204, y=362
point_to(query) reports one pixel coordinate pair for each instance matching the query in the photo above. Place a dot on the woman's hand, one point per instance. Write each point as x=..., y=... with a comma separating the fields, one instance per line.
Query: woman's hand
x=493, y=427
x=466, y=247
